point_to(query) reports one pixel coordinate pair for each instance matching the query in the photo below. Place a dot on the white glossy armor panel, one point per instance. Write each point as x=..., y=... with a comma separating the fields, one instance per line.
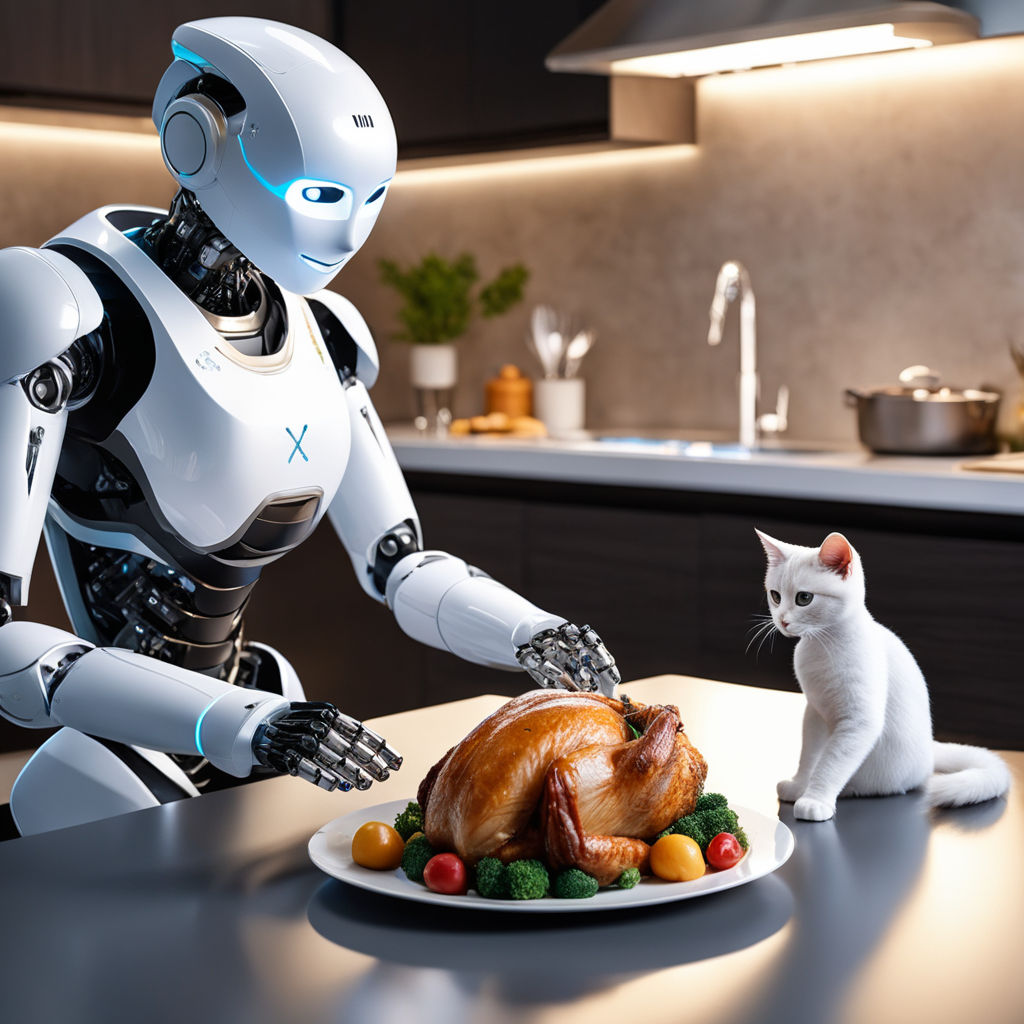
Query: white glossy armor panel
x=216, y=435
x=138, y=700
x=312, y=120
x=29, y=653
x=28, y=461
x=367, y=365
x=73, y=778
x=46, y=302
x=439, y=602
x=373, y=497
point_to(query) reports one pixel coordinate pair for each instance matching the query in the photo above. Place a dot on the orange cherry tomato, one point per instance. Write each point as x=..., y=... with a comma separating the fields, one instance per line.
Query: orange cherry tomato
x=677, y=858
x=378, y=846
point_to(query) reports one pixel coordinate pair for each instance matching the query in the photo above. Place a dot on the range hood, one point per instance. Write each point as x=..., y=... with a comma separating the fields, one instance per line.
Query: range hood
x=691, y=38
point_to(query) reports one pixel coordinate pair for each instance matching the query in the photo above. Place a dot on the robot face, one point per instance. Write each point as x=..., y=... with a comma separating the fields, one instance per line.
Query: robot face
x=295, y=171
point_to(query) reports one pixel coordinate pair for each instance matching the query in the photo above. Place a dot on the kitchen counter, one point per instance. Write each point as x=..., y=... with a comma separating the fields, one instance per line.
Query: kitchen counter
x=209, y=909
x=843, y=475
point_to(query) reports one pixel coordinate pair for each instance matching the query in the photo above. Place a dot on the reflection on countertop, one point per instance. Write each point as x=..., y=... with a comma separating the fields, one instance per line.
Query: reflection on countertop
x=702, y=461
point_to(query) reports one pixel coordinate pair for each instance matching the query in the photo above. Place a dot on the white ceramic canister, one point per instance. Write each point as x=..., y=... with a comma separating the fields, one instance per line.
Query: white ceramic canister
x=560, y=404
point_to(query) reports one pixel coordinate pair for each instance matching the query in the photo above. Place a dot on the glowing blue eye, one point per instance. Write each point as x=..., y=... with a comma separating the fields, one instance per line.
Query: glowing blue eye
x=325, y=200
x=376, y=195
x=323, y=194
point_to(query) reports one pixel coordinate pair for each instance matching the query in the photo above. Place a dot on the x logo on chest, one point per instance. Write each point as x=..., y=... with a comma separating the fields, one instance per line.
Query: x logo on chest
x=298, y=443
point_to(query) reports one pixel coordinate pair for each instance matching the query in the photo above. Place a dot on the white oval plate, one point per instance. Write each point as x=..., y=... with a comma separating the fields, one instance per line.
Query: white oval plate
x=771, y=843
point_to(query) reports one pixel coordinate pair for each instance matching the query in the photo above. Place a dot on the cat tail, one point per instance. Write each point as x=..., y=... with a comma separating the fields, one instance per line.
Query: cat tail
x=966, y=775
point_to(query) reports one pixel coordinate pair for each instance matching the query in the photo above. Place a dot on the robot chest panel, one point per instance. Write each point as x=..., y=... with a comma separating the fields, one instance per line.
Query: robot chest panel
x=220, y=436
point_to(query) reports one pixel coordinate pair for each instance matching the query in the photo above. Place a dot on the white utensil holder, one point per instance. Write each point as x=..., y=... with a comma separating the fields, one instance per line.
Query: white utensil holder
x=560, y=404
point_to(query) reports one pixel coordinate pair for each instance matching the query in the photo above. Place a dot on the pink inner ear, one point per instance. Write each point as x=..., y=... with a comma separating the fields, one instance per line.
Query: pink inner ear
x=836, y=554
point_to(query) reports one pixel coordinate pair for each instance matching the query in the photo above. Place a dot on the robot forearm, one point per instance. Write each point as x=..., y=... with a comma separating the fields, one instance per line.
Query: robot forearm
x=441, y=601
x=49, y=677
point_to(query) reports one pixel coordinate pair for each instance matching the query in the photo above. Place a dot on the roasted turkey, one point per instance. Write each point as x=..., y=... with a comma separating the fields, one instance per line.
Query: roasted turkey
x=564, y=777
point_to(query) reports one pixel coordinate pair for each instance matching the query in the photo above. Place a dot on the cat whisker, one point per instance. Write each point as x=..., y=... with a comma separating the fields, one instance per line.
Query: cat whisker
x=761, y=633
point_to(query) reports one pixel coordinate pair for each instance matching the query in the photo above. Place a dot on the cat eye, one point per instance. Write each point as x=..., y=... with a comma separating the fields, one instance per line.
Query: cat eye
x=775, y=596
x=804, y=598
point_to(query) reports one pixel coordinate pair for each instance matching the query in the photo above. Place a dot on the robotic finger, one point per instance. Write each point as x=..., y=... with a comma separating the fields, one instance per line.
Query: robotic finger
x=318, y=743
x=570, y=657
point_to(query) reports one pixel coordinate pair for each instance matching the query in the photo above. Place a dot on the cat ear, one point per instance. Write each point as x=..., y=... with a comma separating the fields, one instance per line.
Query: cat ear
x=773, y=548
x=836, y=555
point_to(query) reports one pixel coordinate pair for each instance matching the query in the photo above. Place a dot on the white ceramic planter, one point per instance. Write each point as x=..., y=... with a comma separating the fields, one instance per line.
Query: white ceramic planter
x=433, y=366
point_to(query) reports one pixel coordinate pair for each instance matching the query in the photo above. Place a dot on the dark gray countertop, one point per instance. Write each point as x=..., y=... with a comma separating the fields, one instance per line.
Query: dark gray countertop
x=210, y=910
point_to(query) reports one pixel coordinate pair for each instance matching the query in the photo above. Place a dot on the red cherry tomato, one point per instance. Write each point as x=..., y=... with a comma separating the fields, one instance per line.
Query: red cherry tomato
x=724, y=851
x=446, y=873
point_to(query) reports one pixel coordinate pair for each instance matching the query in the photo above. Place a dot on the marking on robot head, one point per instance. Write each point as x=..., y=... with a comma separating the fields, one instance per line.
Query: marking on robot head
x=363, y=120
x=298, y=443
x=206, y=362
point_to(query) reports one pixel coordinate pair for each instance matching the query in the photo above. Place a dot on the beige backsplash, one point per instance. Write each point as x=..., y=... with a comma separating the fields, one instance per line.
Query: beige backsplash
x=878, y=204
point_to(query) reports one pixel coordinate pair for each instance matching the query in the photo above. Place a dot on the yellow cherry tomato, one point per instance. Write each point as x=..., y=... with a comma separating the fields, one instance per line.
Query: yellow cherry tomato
x=677, y=859
x=378, y=846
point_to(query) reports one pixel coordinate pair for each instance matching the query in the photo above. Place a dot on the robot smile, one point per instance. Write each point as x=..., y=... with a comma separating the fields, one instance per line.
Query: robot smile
x=326, y=268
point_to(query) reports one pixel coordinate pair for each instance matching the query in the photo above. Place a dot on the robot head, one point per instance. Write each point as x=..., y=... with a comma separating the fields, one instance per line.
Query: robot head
x=284, y=140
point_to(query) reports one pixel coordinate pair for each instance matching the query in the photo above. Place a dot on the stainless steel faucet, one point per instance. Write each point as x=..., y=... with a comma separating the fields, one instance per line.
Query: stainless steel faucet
x=733, y=280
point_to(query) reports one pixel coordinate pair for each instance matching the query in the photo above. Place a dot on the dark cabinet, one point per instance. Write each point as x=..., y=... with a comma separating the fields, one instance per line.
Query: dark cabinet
x=458, y=76
x=110, y=55
x=461, y=76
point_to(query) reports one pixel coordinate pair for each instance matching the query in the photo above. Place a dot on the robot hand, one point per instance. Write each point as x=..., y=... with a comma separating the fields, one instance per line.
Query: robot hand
x=570, y=656
x=315, y=741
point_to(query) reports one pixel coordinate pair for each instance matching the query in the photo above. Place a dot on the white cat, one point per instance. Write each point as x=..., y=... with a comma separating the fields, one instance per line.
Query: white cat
x=867, y=727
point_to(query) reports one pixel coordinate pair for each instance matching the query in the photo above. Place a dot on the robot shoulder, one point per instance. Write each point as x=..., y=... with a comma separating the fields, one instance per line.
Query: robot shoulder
x=346, y=336
x=46, y=303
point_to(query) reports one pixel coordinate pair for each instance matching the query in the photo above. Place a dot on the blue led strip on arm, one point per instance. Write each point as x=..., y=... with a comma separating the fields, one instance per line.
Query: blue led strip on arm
x=199, y=724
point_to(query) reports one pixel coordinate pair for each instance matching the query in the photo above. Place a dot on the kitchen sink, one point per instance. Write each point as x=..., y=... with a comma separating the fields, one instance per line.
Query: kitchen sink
x=693, y=448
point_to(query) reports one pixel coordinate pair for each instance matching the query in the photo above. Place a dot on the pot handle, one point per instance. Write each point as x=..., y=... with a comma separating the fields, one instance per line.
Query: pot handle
x=852, y=398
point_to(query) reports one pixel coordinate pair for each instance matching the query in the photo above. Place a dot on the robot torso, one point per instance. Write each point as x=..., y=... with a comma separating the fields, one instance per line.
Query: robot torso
x=208, y=447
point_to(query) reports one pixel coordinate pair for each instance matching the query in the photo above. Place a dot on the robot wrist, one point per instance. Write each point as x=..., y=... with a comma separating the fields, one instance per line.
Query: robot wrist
x=228, y=724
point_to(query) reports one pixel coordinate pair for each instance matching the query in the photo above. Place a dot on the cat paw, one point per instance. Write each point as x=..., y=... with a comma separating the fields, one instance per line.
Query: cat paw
x=790, y=790
x=809, y=809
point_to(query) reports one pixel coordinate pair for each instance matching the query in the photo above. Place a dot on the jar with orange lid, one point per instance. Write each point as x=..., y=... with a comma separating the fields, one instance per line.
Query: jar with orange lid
x=510, y=392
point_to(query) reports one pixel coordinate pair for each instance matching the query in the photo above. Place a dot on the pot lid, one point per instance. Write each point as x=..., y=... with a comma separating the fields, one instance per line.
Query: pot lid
x=922, y=384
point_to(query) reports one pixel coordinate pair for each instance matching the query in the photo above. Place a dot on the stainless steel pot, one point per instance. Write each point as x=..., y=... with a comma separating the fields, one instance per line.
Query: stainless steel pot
x=920, y=417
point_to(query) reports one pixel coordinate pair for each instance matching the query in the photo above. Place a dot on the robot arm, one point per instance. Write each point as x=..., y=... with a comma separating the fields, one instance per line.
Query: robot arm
x=46, y=304
x=437, y=598
x=49, y=677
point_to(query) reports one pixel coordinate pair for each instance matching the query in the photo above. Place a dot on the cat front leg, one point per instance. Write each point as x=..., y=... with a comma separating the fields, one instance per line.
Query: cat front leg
x=815, y=733
x=844, y=752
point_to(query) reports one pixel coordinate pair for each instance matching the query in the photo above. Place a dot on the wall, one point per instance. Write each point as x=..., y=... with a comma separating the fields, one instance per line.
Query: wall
x=876, y=202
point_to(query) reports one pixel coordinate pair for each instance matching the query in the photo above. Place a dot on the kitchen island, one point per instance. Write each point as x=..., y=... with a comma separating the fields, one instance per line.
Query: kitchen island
x=210, y=910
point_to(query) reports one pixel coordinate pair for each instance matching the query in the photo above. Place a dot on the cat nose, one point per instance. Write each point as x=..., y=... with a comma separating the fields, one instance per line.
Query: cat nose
x=784, y=624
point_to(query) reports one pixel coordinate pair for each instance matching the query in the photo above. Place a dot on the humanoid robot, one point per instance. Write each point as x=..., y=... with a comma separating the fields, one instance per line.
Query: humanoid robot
x=181, y=402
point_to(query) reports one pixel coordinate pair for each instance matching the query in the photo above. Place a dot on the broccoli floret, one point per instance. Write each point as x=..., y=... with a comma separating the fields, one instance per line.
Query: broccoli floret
x=527, y=880
x=690, y=825
x=719, y=819
x=410, y=820
x=708, y=800
x=704, y=824
x=628, y=878
x=491, y=879
x=573, y=884
x=415, y=856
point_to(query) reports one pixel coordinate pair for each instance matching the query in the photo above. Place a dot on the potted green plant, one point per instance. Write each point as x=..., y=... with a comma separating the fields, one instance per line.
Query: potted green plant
x=438, y=305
